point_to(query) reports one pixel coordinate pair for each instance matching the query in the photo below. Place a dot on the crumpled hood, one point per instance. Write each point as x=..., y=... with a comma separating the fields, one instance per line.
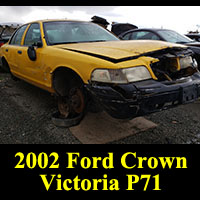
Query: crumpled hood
x=118, y=49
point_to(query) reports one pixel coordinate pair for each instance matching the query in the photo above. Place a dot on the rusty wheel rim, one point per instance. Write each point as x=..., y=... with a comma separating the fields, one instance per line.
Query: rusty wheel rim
x=73, y=104
x=63, y=107
x=77, y=101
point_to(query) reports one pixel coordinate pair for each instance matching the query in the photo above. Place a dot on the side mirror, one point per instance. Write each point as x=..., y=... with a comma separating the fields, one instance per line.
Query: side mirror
x=38, y=44
x=31, y=53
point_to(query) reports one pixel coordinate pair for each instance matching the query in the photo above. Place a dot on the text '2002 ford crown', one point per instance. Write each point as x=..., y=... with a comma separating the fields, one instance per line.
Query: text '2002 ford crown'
x=82, y=63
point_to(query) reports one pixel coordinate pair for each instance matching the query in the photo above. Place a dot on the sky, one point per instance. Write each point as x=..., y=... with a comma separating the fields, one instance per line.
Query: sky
x=179, y=18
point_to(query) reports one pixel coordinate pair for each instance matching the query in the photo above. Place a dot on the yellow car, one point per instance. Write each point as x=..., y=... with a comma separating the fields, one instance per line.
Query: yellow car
x=82, y=63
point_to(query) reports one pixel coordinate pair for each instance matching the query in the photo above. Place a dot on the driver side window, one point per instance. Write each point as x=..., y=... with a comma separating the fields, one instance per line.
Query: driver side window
x=33, y=35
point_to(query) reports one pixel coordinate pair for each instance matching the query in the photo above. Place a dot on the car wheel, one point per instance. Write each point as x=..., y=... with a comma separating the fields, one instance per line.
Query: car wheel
x=70, y=109
x=72, y=104
x=71, y=96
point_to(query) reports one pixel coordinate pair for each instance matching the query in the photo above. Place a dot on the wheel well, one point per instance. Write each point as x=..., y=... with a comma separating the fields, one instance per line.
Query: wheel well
x=4, y=60
x=63, y=78
x=5, y=65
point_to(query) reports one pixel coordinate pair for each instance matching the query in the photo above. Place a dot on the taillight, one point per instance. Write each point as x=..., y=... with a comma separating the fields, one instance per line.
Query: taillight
x=1, y=44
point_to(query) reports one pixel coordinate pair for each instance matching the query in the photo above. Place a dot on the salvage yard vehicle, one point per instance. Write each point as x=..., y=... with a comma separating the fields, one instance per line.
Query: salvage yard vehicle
x=82, y=63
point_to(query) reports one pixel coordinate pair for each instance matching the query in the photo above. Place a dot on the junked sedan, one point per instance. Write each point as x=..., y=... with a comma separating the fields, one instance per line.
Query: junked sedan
x=82, y=63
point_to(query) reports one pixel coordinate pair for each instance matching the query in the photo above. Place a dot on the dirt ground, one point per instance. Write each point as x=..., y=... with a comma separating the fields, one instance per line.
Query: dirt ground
x=25, y=118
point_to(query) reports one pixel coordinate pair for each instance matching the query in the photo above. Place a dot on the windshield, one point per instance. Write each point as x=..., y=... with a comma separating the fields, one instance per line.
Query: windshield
x=174, y=37
x=63, y=32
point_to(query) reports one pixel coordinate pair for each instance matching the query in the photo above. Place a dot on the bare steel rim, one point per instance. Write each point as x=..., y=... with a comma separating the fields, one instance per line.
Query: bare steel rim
x=73, y=104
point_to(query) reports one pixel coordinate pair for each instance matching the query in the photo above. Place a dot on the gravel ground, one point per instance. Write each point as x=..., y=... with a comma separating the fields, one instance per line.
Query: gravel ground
x=26, y=119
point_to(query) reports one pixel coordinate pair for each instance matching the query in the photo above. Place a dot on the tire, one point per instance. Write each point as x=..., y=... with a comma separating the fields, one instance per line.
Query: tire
x=66, y=122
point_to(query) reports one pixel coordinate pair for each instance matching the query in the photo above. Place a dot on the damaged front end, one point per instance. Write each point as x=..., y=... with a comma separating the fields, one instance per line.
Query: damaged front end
x=173, y=64
x=176, y=81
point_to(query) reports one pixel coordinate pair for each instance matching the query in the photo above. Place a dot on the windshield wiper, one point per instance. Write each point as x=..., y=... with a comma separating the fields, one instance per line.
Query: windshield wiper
x=97, y=41
x=57, y=43
x=181, y=42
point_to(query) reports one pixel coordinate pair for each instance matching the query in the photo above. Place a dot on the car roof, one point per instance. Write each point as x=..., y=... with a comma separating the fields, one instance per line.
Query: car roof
x=145, y=29
x=150, y=29
x=55, y=20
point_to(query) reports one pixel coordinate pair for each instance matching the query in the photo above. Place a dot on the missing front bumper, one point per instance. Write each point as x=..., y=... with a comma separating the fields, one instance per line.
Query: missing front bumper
x=145, y=97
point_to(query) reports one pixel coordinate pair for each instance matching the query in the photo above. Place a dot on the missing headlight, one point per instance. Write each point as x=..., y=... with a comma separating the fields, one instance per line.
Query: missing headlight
x=174, y=68
x=187, y=62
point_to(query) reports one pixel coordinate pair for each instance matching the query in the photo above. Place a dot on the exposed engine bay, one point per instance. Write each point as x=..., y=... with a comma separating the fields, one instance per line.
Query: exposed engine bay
x=173, y=64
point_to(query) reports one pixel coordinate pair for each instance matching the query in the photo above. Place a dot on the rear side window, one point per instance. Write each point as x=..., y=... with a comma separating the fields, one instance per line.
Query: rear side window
x=16, y=39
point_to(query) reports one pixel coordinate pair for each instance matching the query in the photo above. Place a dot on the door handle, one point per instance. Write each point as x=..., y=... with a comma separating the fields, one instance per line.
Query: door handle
x=19, y=52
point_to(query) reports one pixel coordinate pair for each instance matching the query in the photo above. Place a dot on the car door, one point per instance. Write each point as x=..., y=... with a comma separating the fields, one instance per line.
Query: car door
x=11, y=50
x=32, y=70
